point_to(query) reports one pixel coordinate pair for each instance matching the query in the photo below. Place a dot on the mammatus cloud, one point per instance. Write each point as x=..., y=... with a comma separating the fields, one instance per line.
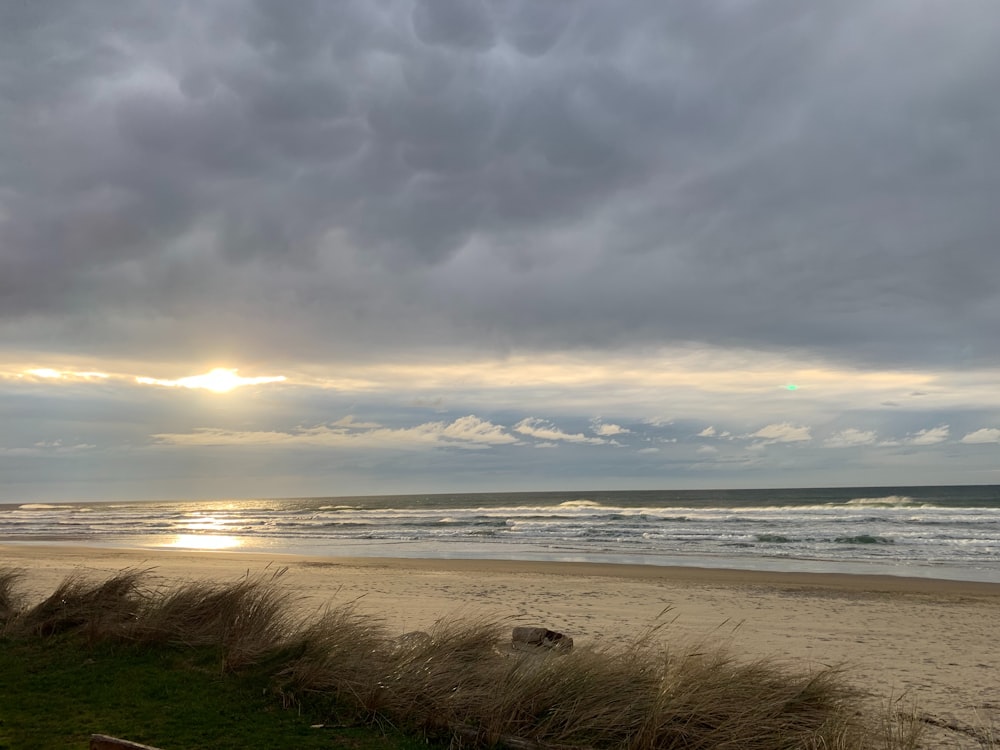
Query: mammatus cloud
x=984, y=435
x=543, y=430
x=328, y=182
x=422, y=210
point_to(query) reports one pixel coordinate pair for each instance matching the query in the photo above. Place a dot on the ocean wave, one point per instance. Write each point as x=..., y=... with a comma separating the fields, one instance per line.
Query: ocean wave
x=851, y=525
x=863, y=539
x=889, y=501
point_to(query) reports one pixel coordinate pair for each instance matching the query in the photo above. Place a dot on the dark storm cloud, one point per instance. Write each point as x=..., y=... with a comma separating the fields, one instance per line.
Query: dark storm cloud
x=304, y=179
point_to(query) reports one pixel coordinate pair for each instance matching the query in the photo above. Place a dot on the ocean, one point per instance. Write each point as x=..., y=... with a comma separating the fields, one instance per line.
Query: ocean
x=933, y=532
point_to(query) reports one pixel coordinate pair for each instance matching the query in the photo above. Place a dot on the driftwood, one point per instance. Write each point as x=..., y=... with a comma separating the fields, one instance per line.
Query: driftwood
x=103, y=742
x=983, y=737
x=477, y=737
x=538, y=637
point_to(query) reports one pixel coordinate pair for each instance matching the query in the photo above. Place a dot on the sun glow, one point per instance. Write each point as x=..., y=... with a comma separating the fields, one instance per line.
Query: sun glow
x=205, y=541
x=51, y=374
x=219, y=380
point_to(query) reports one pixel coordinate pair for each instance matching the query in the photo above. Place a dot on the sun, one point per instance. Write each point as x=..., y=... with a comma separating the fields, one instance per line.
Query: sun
x=219, y=380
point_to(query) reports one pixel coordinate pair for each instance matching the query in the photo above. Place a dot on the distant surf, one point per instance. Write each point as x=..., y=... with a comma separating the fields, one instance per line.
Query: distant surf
x=931, y=531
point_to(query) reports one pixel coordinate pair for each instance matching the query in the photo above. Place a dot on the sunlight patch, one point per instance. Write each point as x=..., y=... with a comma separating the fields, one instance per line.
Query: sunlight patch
x=49, y=373
x=219, y=380
x=204, y=541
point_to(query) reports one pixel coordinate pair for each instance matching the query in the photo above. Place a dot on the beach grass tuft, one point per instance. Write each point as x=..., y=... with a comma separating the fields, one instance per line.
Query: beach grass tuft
x=100, y=610
x=461, y=683
x=11, y=601
x=246, y=620
x=334, y=660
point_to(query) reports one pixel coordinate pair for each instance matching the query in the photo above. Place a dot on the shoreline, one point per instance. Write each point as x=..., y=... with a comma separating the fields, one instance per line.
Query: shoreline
x=766, y=567
x=679, y=574
x=930, y=641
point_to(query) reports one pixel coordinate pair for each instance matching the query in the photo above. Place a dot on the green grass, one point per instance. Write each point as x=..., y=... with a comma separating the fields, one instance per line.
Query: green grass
x=209, y=665
x=55, y=693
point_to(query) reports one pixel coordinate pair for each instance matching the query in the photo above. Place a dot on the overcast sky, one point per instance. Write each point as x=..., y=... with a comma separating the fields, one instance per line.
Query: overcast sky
x=461, y=245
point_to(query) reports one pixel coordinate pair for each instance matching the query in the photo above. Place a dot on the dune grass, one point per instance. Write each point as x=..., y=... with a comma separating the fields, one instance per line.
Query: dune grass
x=460, y=683
x=10, y=602
x=95, y=609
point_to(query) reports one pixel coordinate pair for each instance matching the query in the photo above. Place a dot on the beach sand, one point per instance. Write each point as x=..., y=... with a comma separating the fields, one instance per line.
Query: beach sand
x=932, y=643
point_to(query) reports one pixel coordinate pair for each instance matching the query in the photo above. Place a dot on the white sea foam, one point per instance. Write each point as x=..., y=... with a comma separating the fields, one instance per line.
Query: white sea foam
x=890, y=501
x=919, y=529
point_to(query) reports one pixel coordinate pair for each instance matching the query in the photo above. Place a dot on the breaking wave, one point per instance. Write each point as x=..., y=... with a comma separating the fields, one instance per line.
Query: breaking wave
x=864, y=539
x=890, y=501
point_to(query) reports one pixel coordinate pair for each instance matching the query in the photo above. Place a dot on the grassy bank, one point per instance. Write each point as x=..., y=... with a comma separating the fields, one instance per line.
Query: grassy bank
x=206, y=655
x=57, y=692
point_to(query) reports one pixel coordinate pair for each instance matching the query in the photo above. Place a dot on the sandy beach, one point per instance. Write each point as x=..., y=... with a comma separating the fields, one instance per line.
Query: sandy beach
x=932, y=642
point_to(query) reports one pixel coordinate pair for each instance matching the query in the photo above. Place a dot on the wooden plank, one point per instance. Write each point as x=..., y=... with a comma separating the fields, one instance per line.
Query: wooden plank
x=103, y=742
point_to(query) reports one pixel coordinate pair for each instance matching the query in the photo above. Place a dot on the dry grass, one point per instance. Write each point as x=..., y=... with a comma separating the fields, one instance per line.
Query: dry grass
x=247, y=619
x=629, y=696
x=337, y=656
x=462, y=682
x=10, y=601
x=97, y=609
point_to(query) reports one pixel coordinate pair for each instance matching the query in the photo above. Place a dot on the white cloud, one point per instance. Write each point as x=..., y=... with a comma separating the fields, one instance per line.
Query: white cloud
x=851, y=437
x=475, y=430
x=539, y=428
x=608, y=429
x=350, y=422
x=930, y=436
x=782, y=432
x=707, y=432
x=985, y=435
x=466, y=432
x=49, y=373
x=707, y=449
x=48, y=448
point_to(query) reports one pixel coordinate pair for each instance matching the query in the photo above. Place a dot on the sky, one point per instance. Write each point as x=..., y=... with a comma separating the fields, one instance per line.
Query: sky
x=277, y=249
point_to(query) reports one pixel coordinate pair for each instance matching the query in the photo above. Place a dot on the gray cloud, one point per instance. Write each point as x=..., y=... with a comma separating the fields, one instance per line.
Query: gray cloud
x=316, y=180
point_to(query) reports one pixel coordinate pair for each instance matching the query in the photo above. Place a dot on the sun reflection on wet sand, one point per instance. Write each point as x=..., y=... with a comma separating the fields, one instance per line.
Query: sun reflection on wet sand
x=205, y=541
